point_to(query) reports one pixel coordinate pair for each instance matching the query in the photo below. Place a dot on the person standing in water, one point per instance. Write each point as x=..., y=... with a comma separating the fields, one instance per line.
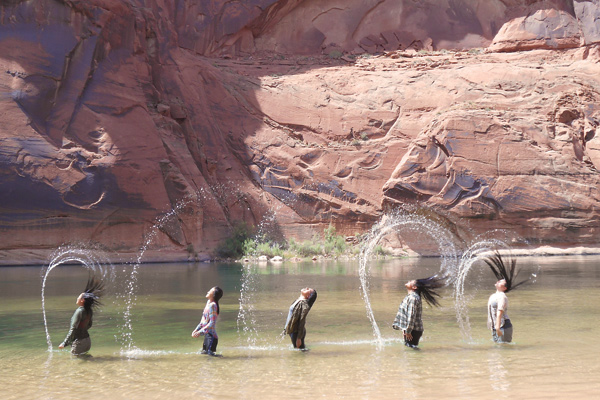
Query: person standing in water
x=409, y=316
x=208, y=323
x=78, y=336
x=296, y=320
x=497, y=319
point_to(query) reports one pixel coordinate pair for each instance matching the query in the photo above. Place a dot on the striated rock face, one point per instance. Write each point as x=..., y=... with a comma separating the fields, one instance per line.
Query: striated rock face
x=548, y=29
x=359, y=26
x=160, y=125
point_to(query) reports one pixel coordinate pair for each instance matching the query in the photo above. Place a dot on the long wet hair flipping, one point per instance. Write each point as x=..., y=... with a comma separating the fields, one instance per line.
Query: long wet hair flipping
x=94, y=289
x=507, y=271
x=426, y=288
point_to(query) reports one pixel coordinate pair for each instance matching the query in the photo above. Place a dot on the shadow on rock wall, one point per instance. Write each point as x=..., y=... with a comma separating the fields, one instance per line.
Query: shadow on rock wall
x=114, y=115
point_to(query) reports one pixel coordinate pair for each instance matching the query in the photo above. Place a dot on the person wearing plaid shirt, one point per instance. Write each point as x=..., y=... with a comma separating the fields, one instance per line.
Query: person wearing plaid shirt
x=409, y=316
x=408, y=319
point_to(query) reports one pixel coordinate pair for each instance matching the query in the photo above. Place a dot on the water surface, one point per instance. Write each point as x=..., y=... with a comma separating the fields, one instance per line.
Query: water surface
x=554, y=354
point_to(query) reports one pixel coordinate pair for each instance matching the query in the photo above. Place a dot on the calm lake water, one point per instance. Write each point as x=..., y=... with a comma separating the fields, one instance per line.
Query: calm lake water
x=555, y=353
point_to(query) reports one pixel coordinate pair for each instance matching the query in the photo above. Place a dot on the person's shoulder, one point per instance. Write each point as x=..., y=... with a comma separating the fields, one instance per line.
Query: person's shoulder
x=304, y=304
x=80, y=312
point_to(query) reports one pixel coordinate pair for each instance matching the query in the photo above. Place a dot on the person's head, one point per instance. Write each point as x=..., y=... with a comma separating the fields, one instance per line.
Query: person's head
x=505, y=274
x=90, y=298
x=501, y=285
x=310, y=295
x=426, y=288
x=214, y=295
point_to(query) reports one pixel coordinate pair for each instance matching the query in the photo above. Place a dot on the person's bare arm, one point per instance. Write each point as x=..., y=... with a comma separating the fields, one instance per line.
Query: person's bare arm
x=499, y=321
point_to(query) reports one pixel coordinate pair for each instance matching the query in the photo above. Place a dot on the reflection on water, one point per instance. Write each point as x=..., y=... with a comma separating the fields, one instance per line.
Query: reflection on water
x=498, y=372
x=343, y=360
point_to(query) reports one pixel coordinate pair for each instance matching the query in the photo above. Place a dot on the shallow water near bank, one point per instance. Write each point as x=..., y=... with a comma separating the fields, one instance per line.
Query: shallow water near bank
x=554, y=353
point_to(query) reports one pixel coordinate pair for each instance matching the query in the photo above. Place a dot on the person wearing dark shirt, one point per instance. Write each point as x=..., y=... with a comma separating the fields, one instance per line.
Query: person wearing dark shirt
x=296, y=320
x=78, y=336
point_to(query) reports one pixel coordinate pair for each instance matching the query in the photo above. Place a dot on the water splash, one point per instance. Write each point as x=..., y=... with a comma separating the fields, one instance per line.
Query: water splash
x=139, y=354
x=468, y=259
x=128, y=295
x=88, y=256
x=481, y=247
x=246, y=320
x=398, y=223
x=95, y=261
x=267, y=230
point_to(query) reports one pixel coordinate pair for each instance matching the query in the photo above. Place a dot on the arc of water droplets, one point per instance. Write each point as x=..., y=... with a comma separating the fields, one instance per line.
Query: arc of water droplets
x=389, y=224
x=131, y=286
x=469, y=258
x=89, y=258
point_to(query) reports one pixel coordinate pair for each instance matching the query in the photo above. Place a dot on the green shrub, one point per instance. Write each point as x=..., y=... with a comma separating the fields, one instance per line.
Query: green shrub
x=269, y=249
x=334, y=244
x=241, y=243
x=307, y=248
x=234, y=246
x=190, y=249
x=335, y=54
x=379, y=251
x=249, y=247
x=329, y=233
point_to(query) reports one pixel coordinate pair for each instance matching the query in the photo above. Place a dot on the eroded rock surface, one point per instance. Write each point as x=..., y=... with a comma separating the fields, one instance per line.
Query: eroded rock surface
x=164, y=124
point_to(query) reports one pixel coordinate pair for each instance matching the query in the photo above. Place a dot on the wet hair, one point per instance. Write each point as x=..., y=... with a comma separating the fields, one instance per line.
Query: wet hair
x=94, y=289
x=501, y=271
x=312, y=298
x=426, y=288
x=217, y=296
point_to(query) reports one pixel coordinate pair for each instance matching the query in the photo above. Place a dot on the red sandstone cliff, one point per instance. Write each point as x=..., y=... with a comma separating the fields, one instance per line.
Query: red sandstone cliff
x=295, y=114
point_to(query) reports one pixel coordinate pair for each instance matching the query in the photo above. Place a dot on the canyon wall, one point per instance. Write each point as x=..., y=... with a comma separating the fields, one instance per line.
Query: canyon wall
x=161, y=125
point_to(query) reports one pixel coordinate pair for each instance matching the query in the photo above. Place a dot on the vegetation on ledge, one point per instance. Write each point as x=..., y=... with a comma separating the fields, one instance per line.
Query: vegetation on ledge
x=244, y=244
